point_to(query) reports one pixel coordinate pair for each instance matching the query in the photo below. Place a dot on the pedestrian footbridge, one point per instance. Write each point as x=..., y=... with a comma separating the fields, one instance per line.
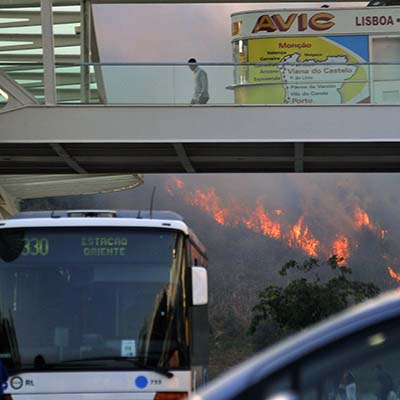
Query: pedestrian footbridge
x=68, y=112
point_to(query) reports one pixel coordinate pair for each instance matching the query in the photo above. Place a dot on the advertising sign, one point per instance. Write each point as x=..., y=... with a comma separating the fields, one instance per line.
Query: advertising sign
x=310, y=70
x=353, y=21
x=317, y=56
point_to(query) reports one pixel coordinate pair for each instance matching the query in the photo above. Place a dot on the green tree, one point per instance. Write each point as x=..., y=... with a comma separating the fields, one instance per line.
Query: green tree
x=306, y=301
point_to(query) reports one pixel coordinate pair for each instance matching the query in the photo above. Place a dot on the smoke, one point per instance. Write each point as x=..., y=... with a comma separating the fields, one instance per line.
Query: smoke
x=252, y=224
x=351, y=216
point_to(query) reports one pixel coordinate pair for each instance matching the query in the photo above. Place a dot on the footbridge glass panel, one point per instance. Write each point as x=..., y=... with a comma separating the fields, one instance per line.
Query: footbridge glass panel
x=288, y=83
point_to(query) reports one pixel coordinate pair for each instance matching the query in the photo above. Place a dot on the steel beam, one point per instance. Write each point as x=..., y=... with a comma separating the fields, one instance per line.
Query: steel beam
x=32, y=41
x=213, y=1
x=95, y=57
x=17, y=95
x=299, y=157
x=183, y=158
x=208, y=124
x=85, y=40
x=70, y=161
x=63, y=79
x=35, y=58
x=35, y=3
x=32, y=18
x=65, y=94
x=8, y=204
x=147, y=159
x=50, y=93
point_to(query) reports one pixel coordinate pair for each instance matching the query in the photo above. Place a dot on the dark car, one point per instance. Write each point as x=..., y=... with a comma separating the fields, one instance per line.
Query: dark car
x=348, y=357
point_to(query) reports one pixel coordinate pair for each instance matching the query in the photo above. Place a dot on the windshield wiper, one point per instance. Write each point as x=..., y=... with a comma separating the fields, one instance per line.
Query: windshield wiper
x=132, y=360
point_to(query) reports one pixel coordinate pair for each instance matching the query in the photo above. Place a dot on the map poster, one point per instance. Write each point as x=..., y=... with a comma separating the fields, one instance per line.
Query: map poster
x=310, y=70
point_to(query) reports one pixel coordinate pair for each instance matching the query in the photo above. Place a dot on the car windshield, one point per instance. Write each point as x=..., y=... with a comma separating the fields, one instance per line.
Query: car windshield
x=91, y=298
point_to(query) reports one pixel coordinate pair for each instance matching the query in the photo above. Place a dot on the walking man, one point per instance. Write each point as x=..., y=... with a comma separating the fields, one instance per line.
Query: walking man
x=200, y=95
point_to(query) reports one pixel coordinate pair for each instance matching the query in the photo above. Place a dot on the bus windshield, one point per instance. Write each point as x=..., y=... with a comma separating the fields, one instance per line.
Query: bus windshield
x=98, y=298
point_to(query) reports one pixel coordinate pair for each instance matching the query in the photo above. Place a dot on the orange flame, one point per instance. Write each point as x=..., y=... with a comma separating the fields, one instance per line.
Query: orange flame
x=340, y=248
x=208, y=202
x=362, y=219
x=259, y=221
x=300, y=236
x=394, y=274
x=179, y=183
x=297, y=236
x=173, y=183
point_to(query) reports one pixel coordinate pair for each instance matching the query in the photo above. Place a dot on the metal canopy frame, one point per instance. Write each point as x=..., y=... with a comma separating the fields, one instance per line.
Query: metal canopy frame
x=23, y=81
x=32, y=50
x=14, y=188
x=28, y=77
x=31, y=78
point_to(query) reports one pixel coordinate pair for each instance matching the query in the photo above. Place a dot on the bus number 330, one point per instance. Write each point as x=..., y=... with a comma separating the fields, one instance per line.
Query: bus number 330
x=36, y=247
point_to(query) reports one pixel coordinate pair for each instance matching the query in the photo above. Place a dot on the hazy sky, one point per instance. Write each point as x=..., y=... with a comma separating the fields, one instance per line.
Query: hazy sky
x=172, y=32
x=169, y=33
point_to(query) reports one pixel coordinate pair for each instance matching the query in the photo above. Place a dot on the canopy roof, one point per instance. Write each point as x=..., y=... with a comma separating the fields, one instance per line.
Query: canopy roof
x=14, y=188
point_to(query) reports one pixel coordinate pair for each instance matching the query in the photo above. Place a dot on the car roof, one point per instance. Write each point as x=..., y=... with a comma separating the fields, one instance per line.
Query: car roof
x=272, y=359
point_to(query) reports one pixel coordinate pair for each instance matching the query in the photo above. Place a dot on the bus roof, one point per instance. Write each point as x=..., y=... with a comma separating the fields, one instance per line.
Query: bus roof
x=110, y=218
x=137, y=214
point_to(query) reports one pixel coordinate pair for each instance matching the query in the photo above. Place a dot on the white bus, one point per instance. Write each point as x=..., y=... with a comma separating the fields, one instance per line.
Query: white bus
x=102, y=305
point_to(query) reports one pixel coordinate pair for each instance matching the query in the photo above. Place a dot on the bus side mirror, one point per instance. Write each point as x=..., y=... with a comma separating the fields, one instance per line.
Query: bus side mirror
x=199, y=286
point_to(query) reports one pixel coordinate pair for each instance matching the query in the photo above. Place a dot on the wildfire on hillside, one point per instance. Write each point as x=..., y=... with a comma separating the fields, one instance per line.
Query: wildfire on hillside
x=260, y=221
x=274, y=224
x=361, y=218
x=393, y=274
x=300, y=236
x=340, y=248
